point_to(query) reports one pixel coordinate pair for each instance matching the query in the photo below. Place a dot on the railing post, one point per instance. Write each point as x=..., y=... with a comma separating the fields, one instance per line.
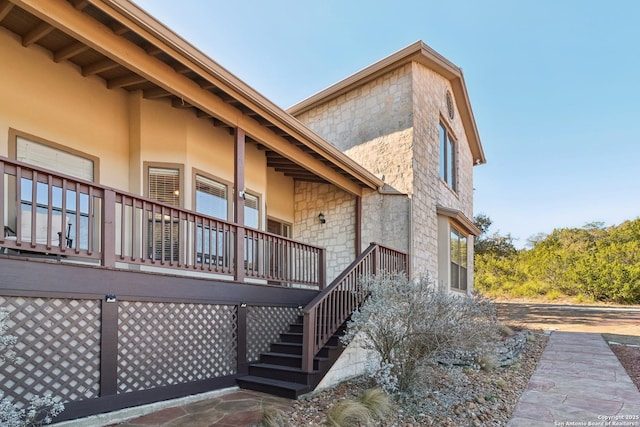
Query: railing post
x=322, y=269
x=374, y=259
x=108, y=249
x=308, y=340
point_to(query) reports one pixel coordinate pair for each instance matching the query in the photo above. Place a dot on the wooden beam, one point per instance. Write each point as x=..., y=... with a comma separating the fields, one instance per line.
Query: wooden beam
x=80, y=4
x=102, y=39
x=155, y=93
x=119, y=29
x=99, y=67
x=38, y=32
x=125, y=81
x=70, y=51
x=5, y=8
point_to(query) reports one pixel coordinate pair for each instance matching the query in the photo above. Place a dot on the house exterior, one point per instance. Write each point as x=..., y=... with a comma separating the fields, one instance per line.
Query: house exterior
x=408, y=119
x=169, y=231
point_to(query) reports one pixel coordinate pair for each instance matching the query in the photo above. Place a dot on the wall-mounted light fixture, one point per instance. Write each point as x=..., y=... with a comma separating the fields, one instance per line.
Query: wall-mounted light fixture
x=321, y=218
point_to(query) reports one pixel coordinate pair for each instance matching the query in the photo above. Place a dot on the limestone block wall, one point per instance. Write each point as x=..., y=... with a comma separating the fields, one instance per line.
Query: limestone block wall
x=337, y=235
x=429, y=110
x=373, y=125
x=385, y=220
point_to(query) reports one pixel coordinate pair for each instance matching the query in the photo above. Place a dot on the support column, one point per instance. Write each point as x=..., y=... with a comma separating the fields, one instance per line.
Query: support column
x=238, y=203
x=358, y=227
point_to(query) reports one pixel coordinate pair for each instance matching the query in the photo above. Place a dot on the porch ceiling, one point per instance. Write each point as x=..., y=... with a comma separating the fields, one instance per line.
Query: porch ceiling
x=31, y=23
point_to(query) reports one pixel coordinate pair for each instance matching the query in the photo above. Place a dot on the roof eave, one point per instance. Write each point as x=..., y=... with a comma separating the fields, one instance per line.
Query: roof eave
x=242, y=91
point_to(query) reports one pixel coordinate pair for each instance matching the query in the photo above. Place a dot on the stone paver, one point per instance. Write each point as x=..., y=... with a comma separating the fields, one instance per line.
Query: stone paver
x=578, y=382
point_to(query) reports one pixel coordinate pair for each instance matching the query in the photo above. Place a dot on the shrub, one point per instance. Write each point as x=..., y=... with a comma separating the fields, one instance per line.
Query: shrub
x=377, y=402
x=272, y=417
x=347, y=413
x=409, y=323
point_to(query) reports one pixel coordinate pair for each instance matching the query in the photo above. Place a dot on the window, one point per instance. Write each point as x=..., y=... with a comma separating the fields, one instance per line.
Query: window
x=163, y=185
x=78, y=211
x=251, y=210
x=211, y=197
x=55, y=159
x=458, y=259
x=447, y=158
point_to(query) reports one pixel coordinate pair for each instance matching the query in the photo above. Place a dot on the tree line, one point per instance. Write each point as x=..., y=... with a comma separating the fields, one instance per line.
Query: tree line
x=591, y=263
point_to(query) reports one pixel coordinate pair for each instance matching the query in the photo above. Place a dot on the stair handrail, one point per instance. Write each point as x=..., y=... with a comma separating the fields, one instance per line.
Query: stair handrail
x=343, y=296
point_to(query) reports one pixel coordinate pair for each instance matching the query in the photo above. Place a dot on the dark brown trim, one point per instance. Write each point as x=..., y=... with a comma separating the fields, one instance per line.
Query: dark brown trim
x=243, y=364
x=109, y=347
x=89, y=407
x=13, y=150
x=21, y=277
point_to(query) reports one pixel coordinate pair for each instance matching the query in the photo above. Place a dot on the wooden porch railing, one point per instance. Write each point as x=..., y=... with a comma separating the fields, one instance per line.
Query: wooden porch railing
x=333, y=306
x=57, y=215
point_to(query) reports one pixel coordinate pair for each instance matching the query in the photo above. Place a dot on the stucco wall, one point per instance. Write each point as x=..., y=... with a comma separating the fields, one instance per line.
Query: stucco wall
x=337, y=235
x=54, y=102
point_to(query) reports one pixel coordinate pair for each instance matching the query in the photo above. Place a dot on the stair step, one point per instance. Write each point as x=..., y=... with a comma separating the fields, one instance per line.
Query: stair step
x=288, y=359
x=294, y=337
x=285, y=389
x=280, y=372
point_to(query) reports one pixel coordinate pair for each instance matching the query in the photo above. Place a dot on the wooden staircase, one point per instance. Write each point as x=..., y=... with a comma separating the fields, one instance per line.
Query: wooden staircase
x=304, y=354
x=279, y=371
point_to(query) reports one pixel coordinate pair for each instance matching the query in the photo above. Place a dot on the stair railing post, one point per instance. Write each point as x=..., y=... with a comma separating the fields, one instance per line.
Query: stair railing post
x=308, y=340
x=322, y=269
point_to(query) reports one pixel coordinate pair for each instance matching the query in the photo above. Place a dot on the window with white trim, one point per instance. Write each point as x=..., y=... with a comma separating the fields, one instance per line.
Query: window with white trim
x=447, y=157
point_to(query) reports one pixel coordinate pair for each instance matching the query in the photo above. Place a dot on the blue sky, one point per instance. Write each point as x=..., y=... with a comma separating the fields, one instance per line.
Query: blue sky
x=553, y=85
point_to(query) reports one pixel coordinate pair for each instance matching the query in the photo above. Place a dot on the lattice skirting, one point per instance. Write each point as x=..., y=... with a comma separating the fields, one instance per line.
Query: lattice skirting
x=58, y=346
x=162, y=344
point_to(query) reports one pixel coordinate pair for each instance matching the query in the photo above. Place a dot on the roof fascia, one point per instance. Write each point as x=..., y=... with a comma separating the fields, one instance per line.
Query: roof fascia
x=459, y=218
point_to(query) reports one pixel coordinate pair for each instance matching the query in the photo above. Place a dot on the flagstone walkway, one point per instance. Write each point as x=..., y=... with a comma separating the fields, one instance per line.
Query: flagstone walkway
x=578, y=382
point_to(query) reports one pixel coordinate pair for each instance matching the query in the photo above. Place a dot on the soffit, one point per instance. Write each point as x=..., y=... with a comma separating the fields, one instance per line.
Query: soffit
x=297, y=152
x=417, y=52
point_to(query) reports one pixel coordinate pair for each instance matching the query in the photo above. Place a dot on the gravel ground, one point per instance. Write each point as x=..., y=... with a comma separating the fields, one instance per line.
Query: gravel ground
x=452, y=397
x=629, y=358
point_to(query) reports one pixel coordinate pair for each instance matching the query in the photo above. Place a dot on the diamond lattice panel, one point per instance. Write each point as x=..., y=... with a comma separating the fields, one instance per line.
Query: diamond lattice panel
x=264, y=325
x=58, y=346
x=163, y=344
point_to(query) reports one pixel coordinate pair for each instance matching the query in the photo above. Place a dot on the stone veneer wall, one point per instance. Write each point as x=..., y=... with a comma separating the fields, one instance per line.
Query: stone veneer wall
x=429, y=90
x=373, y=125
x=385, y=220
x=337, y=235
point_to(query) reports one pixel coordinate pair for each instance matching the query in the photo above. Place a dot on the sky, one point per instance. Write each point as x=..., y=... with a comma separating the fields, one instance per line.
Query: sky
x=553, y=85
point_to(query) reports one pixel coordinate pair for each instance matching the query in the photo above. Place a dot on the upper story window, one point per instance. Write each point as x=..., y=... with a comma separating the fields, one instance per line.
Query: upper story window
x=458, y=257
x=251, y=210
x=447, y=158
x=211, y=197
x=164, y=185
